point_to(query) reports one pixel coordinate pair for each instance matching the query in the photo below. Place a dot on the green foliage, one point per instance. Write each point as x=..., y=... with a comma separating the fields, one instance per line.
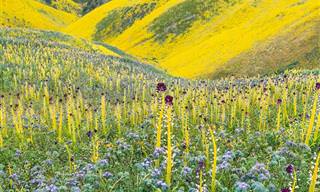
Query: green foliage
x=92, y=4
x=180, y=18
x=121, y=19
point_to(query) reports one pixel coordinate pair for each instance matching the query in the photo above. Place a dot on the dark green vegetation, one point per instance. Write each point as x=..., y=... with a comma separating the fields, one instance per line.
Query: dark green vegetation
x=83, y=7
x=179, y=19
x=73, y=119
x=92, y=4
x=119, y=20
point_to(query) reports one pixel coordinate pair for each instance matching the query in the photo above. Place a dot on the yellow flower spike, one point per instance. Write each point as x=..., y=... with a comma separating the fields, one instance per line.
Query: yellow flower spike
x=295, y=105
x=159, y=125
x=316, y=132
x=103, y=113
x=1, y=140
x=169, y=147
x=3, y=121
x=278, y=118
x=95, y=149
x=118, y=117
x=59, y=131
x=314, y=177
x=70, y=159
x=294, y=181
x=214, y=162
x=312, y=117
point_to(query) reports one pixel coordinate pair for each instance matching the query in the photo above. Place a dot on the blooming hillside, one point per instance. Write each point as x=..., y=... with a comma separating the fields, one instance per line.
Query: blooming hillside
x=194, y=38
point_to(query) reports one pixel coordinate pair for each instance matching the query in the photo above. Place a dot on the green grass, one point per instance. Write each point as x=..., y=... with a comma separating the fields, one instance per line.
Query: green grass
x=120, y=19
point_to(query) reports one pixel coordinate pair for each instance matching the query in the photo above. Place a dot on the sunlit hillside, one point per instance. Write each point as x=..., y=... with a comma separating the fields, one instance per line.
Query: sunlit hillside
x=192, y=38
x=69, y=6
x=33, y=14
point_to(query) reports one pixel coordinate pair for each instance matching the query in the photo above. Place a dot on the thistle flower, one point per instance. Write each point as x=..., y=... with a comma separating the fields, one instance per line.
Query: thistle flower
x=287, y=189
x=89, y=134
x=318, y=86
x=161, y=87
x=168, y=99
x=290, y=169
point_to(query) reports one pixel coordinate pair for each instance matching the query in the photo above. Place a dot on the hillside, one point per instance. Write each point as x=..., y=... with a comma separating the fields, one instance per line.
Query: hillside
x=68, y=6
x=33, y=14
x=193, y=38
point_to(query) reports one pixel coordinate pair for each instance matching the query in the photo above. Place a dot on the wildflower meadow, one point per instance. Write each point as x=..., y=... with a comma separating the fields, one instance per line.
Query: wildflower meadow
x=74, y=119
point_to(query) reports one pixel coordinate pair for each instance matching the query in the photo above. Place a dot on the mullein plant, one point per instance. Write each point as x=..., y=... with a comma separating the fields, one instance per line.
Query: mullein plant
x=279, y=102
x=169, y=103
x=214, y=161
x=161, y=87
x=315, y=175
x=103, y=113
x=312, y=118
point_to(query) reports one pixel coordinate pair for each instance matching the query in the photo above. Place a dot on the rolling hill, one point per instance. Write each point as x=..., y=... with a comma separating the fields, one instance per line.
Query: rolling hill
x=33, y=14
x=196, y=38
x=68, y=6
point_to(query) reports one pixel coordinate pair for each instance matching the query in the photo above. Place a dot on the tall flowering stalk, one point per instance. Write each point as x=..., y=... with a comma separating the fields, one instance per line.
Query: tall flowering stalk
x=1, y=140
x=103, y=113
x=161, y=87
x=59, y=130
x=95, y=149
x=118, y=117
x=70, y=159
x=313, y=114
x=214, y=162
x=168, y=100
x=314, y=177
x=316, y=131
x=3, y=120
x=294, y=181
x=279, y=101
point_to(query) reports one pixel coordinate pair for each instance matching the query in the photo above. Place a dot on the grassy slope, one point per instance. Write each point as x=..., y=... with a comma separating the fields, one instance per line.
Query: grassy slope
x=65, y=5
x=92, y=19
x=33, y=14
x=209, y=44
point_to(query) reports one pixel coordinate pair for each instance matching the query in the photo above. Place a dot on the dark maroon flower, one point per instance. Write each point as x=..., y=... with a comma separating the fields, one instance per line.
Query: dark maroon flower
x=89, y=134
x=290, y=169
x=168, y=99
x=279, y=101
x=318, y=86
x=161, y=87
x=287, y=189
x=200, y=166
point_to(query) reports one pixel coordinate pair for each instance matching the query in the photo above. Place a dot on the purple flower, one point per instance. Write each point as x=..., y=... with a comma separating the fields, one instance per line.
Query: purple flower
x=290, y=169
x=162, y=185
x=318, y=86
x=287, y=189
x=279, y=101
x=186, y=171
x=107, y=174
x=161, y=87
x=156, y=173
x=52, y=188
x=168, y=99
x=242, y=186
x=158, y=151
x=89, y=134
